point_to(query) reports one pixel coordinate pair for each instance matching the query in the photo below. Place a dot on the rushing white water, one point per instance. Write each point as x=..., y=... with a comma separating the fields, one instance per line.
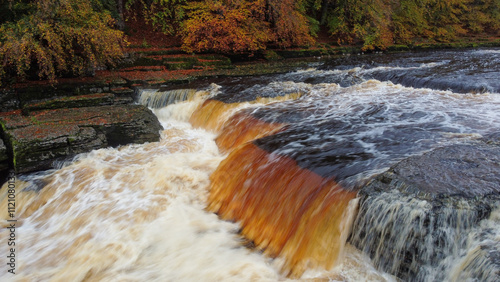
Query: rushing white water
x=479, y=260
x=394, y=227
x=136, y=213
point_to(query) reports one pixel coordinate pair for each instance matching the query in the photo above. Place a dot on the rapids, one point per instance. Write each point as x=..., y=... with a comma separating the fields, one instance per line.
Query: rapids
x=256, y=179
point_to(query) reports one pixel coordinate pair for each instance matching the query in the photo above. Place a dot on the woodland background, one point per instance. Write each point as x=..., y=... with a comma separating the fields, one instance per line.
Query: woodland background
x=54, y=38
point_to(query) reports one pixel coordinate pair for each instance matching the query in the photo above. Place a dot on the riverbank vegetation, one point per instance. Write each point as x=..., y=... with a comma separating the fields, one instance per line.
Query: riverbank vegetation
x=49, y=38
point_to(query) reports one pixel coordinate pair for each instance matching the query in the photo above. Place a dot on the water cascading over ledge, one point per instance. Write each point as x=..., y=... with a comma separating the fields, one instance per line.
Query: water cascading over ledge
x=286, y=210
x=431, y=217
x=293, y=167
x=157, y=99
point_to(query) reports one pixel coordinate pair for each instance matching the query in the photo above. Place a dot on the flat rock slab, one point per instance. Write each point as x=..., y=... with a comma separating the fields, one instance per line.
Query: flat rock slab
x=90, y=100
x=460, y=170
x=39, y=139
x=3, y=156
x=430, y=209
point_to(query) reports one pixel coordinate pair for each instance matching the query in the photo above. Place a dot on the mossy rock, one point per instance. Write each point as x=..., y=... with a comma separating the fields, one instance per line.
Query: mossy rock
x=221, y=58
x=495, y=43
x=90, y=100
x=213, y=63
x=271, y=55
x=180, y=59
x=4, y=158
x=147, y=61
x=162, y=52
x=179, y=65
x=302, y=53
x=8, y=100
x=40, y=93
x=398, y=48
x=123, y=91
x=34, y=142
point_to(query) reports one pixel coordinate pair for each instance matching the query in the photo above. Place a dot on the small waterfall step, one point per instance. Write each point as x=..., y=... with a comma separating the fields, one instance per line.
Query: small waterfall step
x=428, y=216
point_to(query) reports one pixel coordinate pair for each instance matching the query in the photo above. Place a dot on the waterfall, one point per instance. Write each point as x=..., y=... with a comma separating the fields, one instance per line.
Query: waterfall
x=292, y=177
x=158, y=99
x=418, y=239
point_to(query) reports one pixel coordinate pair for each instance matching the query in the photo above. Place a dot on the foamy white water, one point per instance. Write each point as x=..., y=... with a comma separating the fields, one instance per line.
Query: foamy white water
x=137, y=213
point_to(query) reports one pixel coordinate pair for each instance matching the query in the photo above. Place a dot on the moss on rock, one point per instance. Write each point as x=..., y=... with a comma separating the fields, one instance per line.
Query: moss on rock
x=36, y=141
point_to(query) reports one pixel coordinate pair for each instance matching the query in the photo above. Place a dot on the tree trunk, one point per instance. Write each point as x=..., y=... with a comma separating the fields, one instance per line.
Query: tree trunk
x=121, y=22
x=324, y=11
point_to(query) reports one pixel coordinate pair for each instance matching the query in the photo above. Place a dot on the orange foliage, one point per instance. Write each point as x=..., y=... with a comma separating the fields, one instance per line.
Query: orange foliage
x=290, y=27
x=240, y=26
x=224, y=27
x=59, y=37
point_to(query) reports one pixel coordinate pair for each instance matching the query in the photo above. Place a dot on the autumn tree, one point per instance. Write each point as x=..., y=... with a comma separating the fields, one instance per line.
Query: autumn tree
x=367, y=21
x=224, y=26
x=483, y=16
x=445, y=18
x=289, y=24
x=243, y=26
x=58, y=37
x=166, y=15
x=410, y=20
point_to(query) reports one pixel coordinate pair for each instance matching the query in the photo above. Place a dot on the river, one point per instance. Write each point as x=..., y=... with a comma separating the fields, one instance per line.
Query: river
x=254, y=178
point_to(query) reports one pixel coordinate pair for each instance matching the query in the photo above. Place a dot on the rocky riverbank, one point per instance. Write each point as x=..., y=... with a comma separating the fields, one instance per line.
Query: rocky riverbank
x=47, y=123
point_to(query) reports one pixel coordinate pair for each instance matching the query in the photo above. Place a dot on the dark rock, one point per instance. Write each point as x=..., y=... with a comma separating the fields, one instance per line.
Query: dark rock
x=463, y=170
x=90, y=100
x=493, y=138
x=123, y=100
x=416, y=218
x=35, y=147
x=37, y=140
x=4, y=158
x=8, y=100
x=40, y=93
x=123, y=91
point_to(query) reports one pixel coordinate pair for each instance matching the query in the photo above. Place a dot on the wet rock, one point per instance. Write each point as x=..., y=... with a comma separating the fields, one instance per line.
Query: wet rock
x=4, y=164
x=8, y=100
x=79, y=101
x=415, y=219
x=461, y=170
x=37, y=140
x=123, y=92
x=40, y=93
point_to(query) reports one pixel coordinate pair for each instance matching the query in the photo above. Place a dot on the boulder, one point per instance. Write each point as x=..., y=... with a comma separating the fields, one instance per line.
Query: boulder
x=415, y=221
x=4, y=164
x=8, y=100
x=39, y=139
x=89, y=100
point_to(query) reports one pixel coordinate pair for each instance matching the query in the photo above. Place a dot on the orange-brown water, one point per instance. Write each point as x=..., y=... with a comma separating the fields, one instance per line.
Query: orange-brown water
x=139, y=213
x=285, y=210
x=188, y=207
x=242, y=128
x=212, y=114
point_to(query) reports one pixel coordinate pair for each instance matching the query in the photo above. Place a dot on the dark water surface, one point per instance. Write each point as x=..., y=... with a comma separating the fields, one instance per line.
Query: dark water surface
x=360, y=113
x=139, y=212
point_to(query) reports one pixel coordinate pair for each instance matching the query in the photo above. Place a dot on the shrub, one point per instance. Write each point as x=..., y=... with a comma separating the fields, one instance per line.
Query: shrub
x=59, y=37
